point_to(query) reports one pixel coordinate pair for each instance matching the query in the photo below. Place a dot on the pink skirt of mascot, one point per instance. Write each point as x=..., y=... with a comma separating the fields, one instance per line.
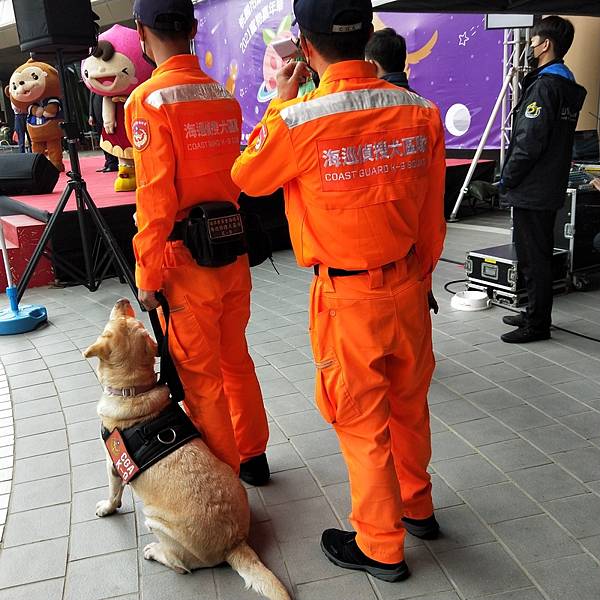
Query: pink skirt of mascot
x=115, y=69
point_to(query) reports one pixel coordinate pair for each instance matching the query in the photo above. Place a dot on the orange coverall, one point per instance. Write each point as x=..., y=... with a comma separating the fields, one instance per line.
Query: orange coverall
x=185, y=130
x=362, y=164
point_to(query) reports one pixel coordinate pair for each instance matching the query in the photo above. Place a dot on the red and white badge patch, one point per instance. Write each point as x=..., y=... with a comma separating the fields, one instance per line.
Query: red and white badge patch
x=119, y=455
x=141, y=134
x=262, y=138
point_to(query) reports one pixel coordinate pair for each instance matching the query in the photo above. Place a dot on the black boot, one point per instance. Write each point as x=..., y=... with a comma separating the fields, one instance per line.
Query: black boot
x=426, y=529
x=525, y=335
x=255, y=471
x=341, y=549
x=519, y=320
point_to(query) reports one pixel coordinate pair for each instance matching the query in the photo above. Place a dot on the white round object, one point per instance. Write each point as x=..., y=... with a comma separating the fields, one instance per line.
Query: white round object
x=470, y=301
x=458, y=120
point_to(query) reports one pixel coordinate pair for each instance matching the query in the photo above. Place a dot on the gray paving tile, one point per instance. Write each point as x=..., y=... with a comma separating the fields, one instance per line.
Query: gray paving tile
x=43, y=443
x=76, y=382
x=298, y=372
x=460, y=527
x=287, y=359
x=19, y=357
x=501, y=372
x=500, y=349
x=592, y=544
x=305, y=422
x=80, y=412
x=306, y=562
x=63, y=358
x=579, y=514
x=283, y=457
x=581, y=390
x=476, y=358
x=277, y=387
x=87, y=452
x=452, y=347
x=583, y=463
x=443, y=495
x=302, y=519
x=585, y=424
x=439, y=393
x=44, y=406
x=468, y=383
x=70, y=369
x=102, y=536
x=30, y=366
x=33, y=562
x=40, y=467
x=338, y=495
x=51, y=589
x=306, y=387
x=40, y=493
x=456, y=411
x=83, y=431
x=523, y=417
x=536, y=538
x=556, y=438
x=328, y=470
x=500, y=502
x=90, y=476
x=558, y=405
x=528, y=387
x=484, y=431
x=349, y=587
x=29, y=379
x=436, y=425
x=267, y=373
x=84, y=503
x=87, y=578
x=316, y=444
x=40, y=424
x=514, y=454
x=34, y=392
x=447, y=445
x=494, y=399
x=37, y=525
x=468, y=472
x=449, y=368
x=288, y=486
x=56, y=349
x=483, y=570
x=168, y=584
x=269, y=348
x=527, y=594
x=288, y=404
x=82, y=396
x=575, y=578
x=554, y=374
x=548, y=482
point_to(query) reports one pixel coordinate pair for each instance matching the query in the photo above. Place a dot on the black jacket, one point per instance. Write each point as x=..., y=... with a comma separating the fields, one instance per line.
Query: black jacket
x=399, y=79
x=538, y=161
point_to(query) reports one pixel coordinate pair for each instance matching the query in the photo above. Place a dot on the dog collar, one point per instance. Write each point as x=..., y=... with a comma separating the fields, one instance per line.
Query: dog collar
x=129, y=392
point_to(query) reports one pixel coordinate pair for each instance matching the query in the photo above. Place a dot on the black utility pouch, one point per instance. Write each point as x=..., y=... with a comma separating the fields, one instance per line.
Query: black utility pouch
x=214, y=234
x=258, y=241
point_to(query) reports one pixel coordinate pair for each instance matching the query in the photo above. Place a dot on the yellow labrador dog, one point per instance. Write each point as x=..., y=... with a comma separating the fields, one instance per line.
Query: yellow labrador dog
x=193, y=502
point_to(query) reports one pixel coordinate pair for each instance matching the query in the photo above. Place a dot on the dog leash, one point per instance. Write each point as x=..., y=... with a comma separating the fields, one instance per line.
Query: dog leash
x=168, y=372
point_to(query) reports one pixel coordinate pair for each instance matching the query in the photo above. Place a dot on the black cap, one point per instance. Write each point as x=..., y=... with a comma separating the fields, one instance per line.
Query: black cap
x=333, y=16
x=165, y=15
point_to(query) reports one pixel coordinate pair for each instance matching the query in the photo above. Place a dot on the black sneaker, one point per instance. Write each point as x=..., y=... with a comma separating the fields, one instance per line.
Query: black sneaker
x=341, y=549
x=519, y=320
x=426, y=529
x=255, y=471
x=524, y=335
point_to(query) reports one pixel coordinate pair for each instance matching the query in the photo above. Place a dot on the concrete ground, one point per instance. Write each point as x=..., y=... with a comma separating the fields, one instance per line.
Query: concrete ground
x=516, y=459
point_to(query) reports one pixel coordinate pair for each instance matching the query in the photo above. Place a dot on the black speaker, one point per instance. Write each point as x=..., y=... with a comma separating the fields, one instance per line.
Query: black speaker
x=45, y=26
x=23, y=174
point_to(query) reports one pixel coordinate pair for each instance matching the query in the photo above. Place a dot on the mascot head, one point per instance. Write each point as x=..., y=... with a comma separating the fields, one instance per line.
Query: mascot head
x=117, y=66
x=32, y=82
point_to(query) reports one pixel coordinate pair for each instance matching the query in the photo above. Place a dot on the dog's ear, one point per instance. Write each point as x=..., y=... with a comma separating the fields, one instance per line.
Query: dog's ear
x=100, y=348
x=151, y=347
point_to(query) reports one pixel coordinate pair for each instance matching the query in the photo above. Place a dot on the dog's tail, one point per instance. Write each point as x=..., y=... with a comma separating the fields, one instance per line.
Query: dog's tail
x=256, y=576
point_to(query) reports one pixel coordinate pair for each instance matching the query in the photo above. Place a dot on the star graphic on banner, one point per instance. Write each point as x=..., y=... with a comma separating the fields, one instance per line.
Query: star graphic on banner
x=463, y=38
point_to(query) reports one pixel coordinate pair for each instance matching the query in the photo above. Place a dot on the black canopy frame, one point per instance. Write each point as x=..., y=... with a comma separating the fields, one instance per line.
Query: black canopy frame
x=536, y=7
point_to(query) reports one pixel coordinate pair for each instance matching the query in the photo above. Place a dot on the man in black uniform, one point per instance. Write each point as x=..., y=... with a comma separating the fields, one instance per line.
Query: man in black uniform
x=536, y=171
x=111, y=163
x=387, y=51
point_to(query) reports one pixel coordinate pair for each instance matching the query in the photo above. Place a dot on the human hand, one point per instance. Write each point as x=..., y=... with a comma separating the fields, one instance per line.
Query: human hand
x=433, y=305
x=91, y=121
x=290, y=78
x=110, y=126
x=148, y=299
x=135, y=218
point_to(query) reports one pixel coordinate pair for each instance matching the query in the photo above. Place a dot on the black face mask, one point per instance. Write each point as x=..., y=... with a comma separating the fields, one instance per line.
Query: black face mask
x=151, y=62
x=531, y=57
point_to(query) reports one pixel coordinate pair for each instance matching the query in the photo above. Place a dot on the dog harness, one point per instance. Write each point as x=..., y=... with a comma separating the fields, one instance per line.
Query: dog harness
x=136, y=448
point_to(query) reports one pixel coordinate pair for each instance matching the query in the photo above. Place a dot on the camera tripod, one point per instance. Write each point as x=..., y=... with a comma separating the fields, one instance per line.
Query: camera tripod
x=93, y=274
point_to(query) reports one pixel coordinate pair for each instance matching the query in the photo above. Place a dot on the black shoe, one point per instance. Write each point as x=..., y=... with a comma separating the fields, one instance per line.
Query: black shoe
x=102, y=170
x=519, y=320
x=341, y=549
x=111, y=169
x=426, y=529
x=255, y=471
x=525, y=335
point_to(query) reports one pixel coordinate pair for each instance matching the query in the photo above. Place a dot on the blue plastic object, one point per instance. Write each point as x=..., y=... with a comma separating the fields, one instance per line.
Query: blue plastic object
x=14, y=320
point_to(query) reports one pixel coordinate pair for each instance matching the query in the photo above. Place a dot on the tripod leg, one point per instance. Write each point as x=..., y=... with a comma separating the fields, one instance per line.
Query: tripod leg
x=39, y=250
x=80, y=191
x=110, y=241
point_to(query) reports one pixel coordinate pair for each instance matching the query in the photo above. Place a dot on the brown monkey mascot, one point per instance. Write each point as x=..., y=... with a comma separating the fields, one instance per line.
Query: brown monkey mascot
x=35, y=88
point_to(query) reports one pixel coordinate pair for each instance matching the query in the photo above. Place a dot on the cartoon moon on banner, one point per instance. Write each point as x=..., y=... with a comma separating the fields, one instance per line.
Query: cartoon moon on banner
x=458, y=120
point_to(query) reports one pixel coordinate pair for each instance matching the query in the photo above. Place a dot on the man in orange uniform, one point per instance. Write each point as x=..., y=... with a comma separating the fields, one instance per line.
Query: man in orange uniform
x=362, y=166
x=185, y=129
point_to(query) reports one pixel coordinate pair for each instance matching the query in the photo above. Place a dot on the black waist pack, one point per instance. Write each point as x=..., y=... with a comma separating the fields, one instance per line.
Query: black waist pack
x=213, y=233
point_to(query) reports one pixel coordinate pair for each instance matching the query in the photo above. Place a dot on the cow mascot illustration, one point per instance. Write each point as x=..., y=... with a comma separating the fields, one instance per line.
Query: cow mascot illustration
x=34, y=88
x=115, y=69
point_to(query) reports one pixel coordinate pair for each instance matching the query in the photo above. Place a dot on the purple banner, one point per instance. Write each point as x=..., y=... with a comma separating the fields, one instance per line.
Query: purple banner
x=452, y=60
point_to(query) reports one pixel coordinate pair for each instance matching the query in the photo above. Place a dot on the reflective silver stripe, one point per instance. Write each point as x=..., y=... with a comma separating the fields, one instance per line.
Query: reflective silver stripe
x=343, y=102
x=190, y=92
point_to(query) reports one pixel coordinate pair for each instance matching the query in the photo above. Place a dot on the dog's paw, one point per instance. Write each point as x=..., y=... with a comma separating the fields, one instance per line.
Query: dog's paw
x=149, y=551
x=105, y=508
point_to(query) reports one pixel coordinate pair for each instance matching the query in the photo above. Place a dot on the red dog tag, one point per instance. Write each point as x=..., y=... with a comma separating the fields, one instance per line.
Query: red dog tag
x=123, y=463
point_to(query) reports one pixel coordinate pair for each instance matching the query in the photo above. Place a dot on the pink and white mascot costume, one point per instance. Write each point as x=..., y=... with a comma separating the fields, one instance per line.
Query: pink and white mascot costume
x=115, y=69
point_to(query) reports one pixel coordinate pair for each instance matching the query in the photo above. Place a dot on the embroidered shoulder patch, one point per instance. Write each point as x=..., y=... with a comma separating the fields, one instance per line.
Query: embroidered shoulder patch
x=262, y=138
x=533, y=111
x=141, y=134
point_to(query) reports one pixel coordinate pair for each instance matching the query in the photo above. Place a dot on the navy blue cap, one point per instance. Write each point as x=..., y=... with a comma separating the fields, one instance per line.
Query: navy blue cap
x=165, y=15
x=333, y=16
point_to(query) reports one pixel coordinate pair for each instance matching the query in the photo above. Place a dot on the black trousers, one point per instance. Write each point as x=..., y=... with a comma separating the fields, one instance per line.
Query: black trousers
x=533, y=236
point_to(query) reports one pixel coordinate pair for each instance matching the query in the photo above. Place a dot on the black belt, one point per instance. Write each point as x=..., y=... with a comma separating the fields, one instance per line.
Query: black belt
x=177, y=232
x=339, y=272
